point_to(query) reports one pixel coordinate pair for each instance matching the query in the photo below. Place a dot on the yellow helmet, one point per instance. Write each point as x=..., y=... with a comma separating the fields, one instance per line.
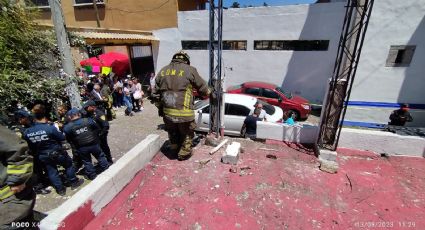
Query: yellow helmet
x=181, y=55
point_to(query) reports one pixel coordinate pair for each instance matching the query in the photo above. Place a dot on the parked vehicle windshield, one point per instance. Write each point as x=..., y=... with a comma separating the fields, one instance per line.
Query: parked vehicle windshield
x=200, y=104
x=267, y=107
x=288, y=95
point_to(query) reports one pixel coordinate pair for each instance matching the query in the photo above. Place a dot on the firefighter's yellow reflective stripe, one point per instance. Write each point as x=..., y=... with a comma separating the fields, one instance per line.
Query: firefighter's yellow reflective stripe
x=187, y=97
x=179, y=112
x=19, y=169
x=5, y=192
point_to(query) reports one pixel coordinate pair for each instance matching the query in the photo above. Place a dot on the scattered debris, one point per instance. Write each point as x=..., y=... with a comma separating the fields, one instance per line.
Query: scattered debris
x=211, y=140
x=129, y=214
x=197, y=226
x=133, y=195
x=233, y=169
x=245, y=168
x=385, y=155
x=271, y=156
x=205, y=161
x=328, y=166
x=212, y=151
x=267, y=149
x=351, y=185
x=231, y=156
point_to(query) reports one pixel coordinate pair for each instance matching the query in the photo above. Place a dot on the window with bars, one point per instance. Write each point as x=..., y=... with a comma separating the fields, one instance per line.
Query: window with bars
x=141, y=51
x=203, y=45
x=234, y=45
x=400, y=56
x=295, y=45
x=195, y=45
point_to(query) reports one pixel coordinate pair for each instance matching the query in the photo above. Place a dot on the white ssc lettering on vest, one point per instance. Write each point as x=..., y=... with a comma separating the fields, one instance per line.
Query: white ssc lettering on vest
x=81, y=130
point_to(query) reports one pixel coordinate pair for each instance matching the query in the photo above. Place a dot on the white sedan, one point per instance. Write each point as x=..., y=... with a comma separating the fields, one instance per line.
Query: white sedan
x=237, y=107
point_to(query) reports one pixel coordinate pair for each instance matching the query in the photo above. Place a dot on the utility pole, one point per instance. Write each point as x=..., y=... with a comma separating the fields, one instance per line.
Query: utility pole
x=356, y=21
x=65, y=53
x=215, y=64
x=97, y=13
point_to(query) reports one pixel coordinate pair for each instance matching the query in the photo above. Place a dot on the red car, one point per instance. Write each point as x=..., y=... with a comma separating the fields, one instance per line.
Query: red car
x=274, y=95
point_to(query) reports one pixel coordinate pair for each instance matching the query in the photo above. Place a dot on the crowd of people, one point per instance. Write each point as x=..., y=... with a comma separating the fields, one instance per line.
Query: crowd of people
x=112, y=92
x=60, y=141
x=69, y=138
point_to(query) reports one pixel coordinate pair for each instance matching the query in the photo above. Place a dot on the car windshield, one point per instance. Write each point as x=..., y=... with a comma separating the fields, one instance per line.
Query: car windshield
x=267, y=107
x=200, y=104
x=287, y=95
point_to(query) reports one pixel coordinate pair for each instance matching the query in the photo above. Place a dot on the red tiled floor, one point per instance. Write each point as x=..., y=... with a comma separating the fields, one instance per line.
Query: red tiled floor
x=289, y=192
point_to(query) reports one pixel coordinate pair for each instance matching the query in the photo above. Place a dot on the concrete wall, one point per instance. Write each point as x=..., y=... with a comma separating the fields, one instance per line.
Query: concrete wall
x=302, y=72
x=86, y=204
x=119, y=14
x=169, y=43
x=393, y=22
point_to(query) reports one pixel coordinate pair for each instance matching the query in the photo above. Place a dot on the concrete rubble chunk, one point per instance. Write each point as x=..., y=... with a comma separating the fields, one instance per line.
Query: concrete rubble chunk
x=231, y=155
x=328, y=155
x=211, y=140
x=328, y=166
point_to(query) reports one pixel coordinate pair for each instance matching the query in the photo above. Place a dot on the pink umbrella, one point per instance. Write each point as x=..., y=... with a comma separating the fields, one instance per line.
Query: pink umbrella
x=119, y=62
x=93, y=61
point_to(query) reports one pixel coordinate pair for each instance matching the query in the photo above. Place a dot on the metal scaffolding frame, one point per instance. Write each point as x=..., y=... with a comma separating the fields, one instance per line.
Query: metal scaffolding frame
x=215, y=47
x=357, y=16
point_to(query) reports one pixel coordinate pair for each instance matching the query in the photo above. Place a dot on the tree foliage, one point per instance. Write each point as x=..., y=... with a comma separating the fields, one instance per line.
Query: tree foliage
x=29, y=58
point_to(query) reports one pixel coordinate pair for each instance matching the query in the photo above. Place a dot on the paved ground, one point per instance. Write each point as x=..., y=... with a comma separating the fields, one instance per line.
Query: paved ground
x=286, y=191
x=125, y=132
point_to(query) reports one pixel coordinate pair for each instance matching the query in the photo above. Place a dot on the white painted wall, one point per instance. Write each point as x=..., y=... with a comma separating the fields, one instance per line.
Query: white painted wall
x=169, y=43
x=393, y=22
x=302, y=72
x=305, y=73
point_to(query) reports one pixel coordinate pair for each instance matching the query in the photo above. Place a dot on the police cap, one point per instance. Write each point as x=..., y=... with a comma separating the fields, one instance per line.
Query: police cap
x=22, y=114
x=89, y=103
x=72, y=112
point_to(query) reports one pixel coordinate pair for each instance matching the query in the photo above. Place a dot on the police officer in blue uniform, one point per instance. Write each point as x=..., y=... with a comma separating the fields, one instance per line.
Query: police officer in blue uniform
x=25, y=120
x=44, y=141
x=83, y=134
x=100, y=118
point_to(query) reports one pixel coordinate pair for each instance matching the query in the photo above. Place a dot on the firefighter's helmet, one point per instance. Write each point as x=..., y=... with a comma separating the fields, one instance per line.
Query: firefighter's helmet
x=181, y=55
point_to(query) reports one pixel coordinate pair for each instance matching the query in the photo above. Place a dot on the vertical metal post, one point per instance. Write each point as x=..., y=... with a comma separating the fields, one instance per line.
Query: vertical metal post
x=357, y=16
x=65, y=53
x=216, y=80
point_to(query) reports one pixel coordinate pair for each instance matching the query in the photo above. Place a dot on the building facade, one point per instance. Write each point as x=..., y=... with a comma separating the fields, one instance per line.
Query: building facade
x=295, y=47
x=124, y=26
x=291, y=46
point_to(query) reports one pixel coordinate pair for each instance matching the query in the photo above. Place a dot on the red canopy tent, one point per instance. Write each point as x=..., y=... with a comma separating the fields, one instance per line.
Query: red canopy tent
x=119, y=62
x=93, y=61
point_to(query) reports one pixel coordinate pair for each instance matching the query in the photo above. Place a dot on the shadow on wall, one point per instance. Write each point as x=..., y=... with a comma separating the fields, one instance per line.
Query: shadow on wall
x=308, y=71
x=412, y=90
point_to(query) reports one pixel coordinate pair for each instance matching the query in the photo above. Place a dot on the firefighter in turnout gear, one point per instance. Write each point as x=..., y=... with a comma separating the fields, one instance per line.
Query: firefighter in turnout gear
x=83, y=135
x=175, y=83
x=16, y=195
